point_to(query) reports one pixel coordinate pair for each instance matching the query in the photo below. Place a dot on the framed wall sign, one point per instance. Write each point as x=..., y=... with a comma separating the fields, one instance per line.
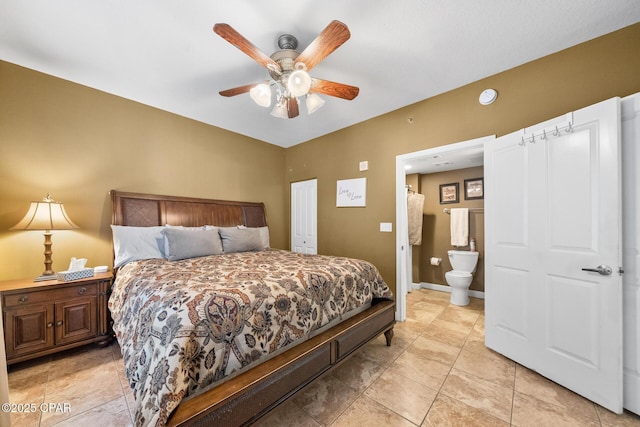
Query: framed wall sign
x=449, y=193
x=351, y=193
x=474, y=188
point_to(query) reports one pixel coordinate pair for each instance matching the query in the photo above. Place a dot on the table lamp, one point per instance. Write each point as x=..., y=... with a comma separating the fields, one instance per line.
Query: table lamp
x=46, y=215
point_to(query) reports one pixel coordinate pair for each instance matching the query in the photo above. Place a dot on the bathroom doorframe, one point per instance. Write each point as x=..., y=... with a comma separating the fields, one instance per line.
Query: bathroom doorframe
x=403, y=250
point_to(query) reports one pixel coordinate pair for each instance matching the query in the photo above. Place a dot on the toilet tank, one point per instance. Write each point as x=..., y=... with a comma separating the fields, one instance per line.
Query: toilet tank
x=463, y=260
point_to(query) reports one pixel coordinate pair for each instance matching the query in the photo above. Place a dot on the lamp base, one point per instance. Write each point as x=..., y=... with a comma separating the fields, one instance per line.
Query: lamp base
x=45, y=277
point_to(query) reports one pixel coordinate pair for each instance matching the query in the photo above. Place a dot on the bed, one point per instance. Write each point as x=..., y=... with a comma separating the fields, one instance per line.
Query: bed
x=220, y=334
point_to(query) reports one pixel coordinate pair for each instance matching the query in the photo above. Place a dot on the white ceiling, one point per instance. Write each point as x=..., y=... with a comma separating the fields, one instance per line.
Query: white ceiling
x=163, y=53
x=446, y=159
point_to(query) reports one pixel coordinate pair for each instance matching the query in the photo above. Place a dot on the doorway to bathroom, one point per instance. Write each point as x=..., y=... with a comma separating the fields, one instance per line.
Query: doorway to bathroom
x=461, y=155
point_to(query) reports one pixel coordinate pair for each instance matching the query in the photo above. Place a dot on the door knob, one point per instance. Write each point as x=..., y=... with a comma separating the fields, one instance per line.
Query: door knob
x=605, y=270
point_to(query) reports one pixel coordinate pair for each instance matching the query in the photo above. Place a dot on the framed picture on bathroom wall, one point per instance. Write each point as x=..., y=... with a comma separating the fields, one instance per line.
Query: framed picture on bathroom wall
x=449, y=193
x=474, y=189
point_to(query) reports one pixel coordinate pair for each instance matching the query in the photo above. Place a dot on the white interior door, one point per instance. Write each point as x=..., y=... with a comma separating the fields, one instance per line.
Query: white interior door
x=552, y=209
x=631, y=249
x=304, y=216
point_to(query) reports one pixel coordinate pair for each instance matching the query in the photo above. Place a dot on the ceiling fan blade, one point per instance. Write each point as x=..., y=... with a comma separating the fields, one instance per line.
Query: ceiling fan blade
x=292, y=107
x=235, y=38
x=238, y=90
x=327, y=41
x=339, y=90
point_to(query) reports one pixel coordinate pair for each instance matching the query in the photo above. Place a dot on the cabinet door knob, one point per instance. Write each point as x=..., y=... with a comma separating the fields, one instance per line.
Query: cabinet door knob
x=59, y=322
x=50, y=324
x=23, y=299
x=82, y=291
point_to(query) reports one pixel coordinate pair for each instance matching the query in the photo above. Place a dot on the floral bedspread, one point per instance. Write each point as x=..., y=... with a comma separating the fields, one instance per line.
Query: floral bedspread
x=185, y=325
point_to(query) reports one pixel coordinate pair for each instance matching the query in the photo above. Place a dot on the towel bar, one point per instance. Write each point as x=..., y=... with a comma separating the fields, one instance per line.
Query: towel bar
x=446, y=210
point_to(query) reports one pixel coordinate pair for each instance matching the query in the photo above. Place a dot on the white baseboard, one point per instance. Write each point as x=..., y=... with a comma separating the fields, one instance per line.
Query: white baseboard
x=444, y=288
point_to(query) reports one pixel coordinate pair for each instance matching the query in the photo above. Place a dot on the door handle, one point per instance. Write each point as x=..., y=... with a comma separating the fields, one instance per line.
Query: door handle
x=605, y=270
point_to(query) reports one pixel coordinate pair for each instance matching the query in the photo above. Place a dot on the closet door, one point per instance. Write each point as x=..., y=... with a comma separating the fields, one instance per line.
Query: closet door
x=553, y=250
x=304, y=216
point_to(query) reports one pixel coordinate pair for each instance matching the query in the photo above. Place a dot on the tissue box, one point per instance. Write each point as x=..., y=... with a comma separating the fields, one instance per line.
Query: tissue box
x=67, y=276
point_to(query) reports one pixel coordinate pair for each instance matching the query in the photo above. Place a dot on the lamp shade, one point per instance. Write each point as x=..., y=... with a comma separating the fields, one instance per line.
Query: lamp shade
x=45, y=215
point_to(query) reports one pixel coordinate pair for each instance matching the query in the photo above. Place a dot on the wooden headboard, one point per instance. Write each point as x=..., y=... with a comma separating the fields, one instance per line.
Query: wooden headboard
x=144, y=210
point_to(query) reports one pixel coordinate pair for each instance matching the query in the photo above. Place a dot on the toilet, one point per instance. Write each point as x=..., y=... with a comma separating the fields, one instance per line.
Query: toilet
x=464, y=264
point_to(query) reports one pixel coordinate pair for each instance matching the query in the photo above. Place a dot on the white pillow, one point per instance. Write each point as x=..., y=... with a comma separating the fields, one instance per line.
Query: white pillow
x=136, y=243
x=189, y=243
x=264, y=237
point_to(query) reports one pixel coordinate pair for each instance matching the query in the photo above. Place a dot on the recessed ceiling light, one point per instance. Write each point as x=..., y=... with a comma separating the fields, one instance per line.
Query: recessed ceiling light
x=446, y=162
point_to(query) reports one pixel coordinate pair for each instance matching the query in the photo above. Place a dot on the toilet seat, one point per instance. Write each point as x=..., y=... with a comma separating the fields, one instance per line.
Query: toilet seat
x=456, y=273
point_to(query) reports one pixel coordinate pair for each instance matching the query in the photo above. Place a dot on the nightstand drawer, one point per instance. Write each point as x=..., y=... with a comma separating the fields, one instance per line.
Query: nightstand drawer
x=31, y=297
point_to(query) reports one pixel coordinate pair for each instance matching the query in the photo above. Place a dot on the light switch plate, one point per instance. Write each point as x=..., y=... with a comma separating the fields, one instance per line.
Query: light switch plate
x=386, y=227
x=364, y=166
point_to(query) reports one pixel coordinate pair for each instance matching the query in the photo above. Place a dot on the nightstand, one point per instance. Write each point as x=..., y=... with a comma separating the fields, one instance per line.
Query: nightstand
x=46, y=317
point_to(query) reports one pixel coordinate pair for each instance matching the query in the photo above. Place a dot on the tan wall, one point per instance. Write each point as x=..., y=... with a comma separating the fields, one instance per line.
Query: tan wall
x=78, y=143
x=436, y=232
x=551, y=86
x=45, y=122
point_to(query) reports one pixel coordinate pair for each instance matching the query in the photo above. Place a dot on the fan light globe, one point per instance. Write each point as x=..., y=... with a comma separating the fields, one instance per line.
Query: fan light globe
x=261, y=94
x=280, y=111
x=313, y=103
x=299, y=83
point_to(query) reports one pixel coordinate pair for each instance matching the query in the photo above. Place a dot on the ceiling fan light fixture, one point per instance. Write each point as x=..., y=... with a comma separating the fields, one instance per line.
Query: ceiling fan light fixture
x=261, y=94
x=313, y=102
x=299, y=83
x=289, y=70
x=280, y=110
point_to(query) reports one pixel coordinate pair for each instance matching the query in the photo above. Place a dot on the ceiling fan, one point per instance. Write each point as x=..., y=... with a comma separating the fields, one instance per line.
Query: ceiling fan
x=289, y=70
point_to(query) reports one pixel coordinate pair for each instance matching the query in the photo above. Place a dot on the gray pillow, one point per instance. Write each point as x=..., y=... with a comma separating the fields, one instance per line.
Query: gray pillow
x=181, y=227
x=182, y=243
x=236, y=239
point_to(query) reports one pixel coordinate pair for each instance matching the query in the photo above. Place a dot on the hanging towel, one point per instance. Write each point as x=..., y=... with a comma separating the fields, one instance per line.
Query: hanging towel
x=459, y=226
x=415, y=204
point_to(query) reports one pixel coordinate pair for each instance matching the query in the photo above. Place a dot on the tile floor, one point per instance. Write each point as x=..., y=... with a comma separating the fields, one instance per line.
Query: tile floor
x=437, y=372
